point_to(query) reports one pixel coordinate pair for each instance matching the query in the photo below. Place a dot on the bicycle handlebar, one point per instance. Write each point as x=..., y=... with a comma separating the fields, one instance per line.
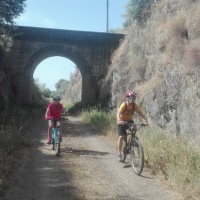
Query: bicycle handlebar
x=142, y=124
x=137, y=124
x=54, y=119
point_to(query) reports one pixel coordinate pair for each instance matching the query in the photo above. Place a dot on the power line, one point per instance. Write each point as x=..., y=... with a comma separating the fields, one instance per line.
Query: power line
x=107, y=28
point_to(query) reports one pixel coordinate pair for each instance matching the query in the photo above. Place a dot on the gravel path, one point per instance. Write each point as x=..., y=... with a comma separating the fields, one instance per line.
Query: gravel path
x=87, y=169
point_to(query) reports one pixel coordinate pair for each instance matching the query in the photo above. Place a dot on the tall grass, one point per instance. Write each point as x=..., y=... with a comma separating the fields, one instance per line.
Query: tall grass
x=175, y=158
x=15, y=122
x=98, y=119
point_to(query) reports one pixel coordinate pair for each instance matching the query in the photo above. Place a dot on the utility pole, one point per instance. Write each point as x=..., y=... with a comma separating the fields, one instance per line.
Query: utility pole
x=107, y=28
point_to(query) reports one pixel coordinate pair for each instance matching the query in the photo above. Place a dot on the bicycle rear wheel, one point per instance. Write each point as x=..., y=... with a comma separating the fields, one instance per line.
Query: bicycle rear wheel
x=53, y=139
x=124, y=149
x=53, y=143
x=137, y=157
x=57, y=144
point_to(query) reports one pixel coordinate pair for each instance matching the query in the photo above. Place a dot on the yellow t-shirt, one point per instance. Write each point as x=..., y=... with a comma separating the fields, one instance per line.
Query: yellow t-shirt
x=127, y=111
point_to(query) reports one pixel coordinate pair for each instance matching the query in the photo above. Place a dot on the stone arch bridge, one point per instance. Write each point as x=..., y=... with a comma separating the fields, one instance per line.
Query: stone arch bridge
x=90, y=51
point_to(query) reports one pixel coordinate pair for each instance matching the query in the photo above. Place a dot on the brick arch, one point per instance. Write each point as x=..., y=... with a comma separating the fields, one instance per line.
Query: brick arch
x=90, y=51
x=88, y=85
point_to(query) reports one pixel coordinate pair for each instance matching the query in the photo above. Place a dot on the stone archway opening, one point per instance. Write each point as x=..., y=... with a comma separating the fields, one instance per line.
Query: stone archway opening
x=88, y=90
x=58, y=75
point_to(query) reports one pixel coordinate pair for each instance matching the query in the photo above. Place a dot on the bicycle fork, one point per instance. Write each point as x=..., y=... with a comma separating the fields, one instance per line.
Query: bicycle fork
x=56, y=134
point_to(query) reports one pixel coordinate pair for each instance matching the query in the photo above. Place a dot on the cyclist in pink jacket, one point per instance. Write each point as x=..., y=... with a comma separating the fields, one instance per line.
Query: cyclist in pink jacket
x=53, y=112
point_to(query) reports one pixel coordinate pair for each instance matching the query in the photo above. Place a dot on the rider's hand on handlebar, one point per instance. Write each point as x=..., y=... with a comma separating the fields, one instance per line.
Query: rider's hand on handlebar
x=122, y=122
x=145, y=123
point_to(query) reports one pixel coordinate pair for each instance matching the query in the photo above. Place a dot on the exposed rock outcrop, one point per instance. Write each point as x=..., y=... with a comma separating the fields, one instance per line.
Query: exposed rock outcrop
x=160, y=59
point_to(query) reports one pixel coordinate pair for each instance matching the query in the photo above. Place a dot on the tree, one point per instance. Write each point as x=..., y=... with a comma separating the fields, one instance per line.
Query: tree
x=61, y=87
x=46, y=92
x=9, y=10
x=135, y=9
x=59, y=84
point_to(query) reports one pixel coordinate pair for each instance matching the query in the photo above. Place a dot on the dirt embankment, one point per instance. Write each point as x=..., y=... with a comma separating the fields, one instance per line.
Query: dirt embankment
x=86, y=169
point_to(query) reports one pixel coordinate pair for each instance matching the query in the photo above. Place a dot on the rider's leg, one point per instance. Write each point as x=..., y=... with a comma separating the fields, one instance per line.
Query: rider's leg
x=119, y=149
x=50, y=125
x=121, y=131
x=59, y=124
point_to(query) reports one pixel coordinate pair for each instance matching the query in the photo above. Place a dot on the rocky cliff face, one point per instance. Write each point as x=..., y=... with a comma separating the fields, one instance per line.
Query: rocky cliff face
x=73, y=91
x=160, y=59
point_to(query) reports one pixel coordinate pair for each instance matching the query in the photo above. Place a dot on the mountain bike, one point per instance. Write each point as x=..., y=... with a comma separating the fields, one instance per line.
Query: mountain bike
x=56, y=137
x=131, y=145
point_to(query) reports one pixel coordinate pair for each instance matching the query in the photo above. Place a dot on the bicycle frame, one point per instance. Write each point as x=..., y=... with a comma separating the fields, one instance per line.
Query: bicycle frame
x=129, y=137
x=56, y=138
x=132, y=127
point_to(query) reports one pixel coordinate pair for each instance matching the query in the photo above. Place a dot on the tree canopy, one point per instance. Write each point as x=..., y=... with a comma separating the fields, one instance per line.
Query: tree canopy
x=46, y=92
x=61, y=87
x=135, y=9
x=9, y=10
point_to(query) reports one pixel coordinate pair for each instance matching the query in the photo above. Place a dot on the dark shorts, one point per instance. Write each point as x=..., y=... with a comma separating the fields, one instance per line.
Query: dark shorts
x=121, y=129
x=57, y=119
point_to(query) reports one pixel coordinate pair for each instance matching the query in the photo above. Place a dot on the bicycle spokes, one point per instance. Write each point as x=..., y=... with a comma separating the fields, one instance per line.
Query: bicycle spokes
x=137, y=157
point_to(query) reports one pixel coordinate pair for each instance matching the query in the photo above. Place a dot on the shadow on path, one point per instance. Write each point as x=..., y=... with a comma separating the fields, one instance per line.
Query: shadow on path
x=83, y=152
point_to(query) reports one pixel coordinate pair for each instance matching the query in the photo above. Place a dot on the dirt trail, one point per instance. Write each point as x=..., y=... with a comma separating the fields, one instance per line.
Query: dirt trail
x=87, y=169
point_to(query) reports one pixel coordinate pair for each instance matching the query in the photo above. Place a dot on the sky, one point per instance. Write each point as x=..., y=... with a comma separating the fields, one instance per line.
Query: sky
x=83, y=15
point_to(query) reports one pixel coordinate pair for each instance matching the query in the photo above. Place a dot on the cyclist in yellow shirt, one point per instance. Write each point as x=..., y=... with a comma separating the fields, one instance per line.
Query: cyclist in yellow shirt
x=125, y=115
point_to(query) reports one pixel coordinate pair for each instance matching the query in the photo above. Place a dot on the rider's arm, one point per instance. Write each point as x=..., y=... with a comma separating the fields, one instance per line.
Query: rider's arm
x=143, y=117
x=64, y=111
x=47, y=113
x=118, y=115
x=119, y=121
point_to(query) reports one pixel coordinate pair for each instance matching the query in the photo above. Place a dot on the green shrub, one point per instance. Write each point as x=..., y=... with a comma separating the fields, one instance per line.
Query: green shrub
x=101, y=120
x=79, y=107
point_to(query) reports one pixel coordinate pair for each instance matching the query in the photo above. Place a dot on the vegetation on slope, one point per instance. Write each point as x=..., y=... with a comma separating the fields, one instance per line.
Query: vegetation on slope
x=168, y=38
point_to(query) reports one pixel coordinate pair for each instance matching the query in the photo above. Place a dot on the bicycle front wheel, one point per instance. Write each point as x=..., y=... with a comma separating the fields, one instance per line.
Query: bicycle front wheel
x=57, y=144
x=137, y=157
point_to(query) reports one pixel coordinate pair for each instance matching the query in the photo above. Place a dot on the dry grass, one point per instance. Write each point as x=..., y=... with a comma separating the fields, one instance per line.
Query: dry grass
x=137, y=63
x=175, y=159
x=151, y=85
x=191, y=59
x=15, y=124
